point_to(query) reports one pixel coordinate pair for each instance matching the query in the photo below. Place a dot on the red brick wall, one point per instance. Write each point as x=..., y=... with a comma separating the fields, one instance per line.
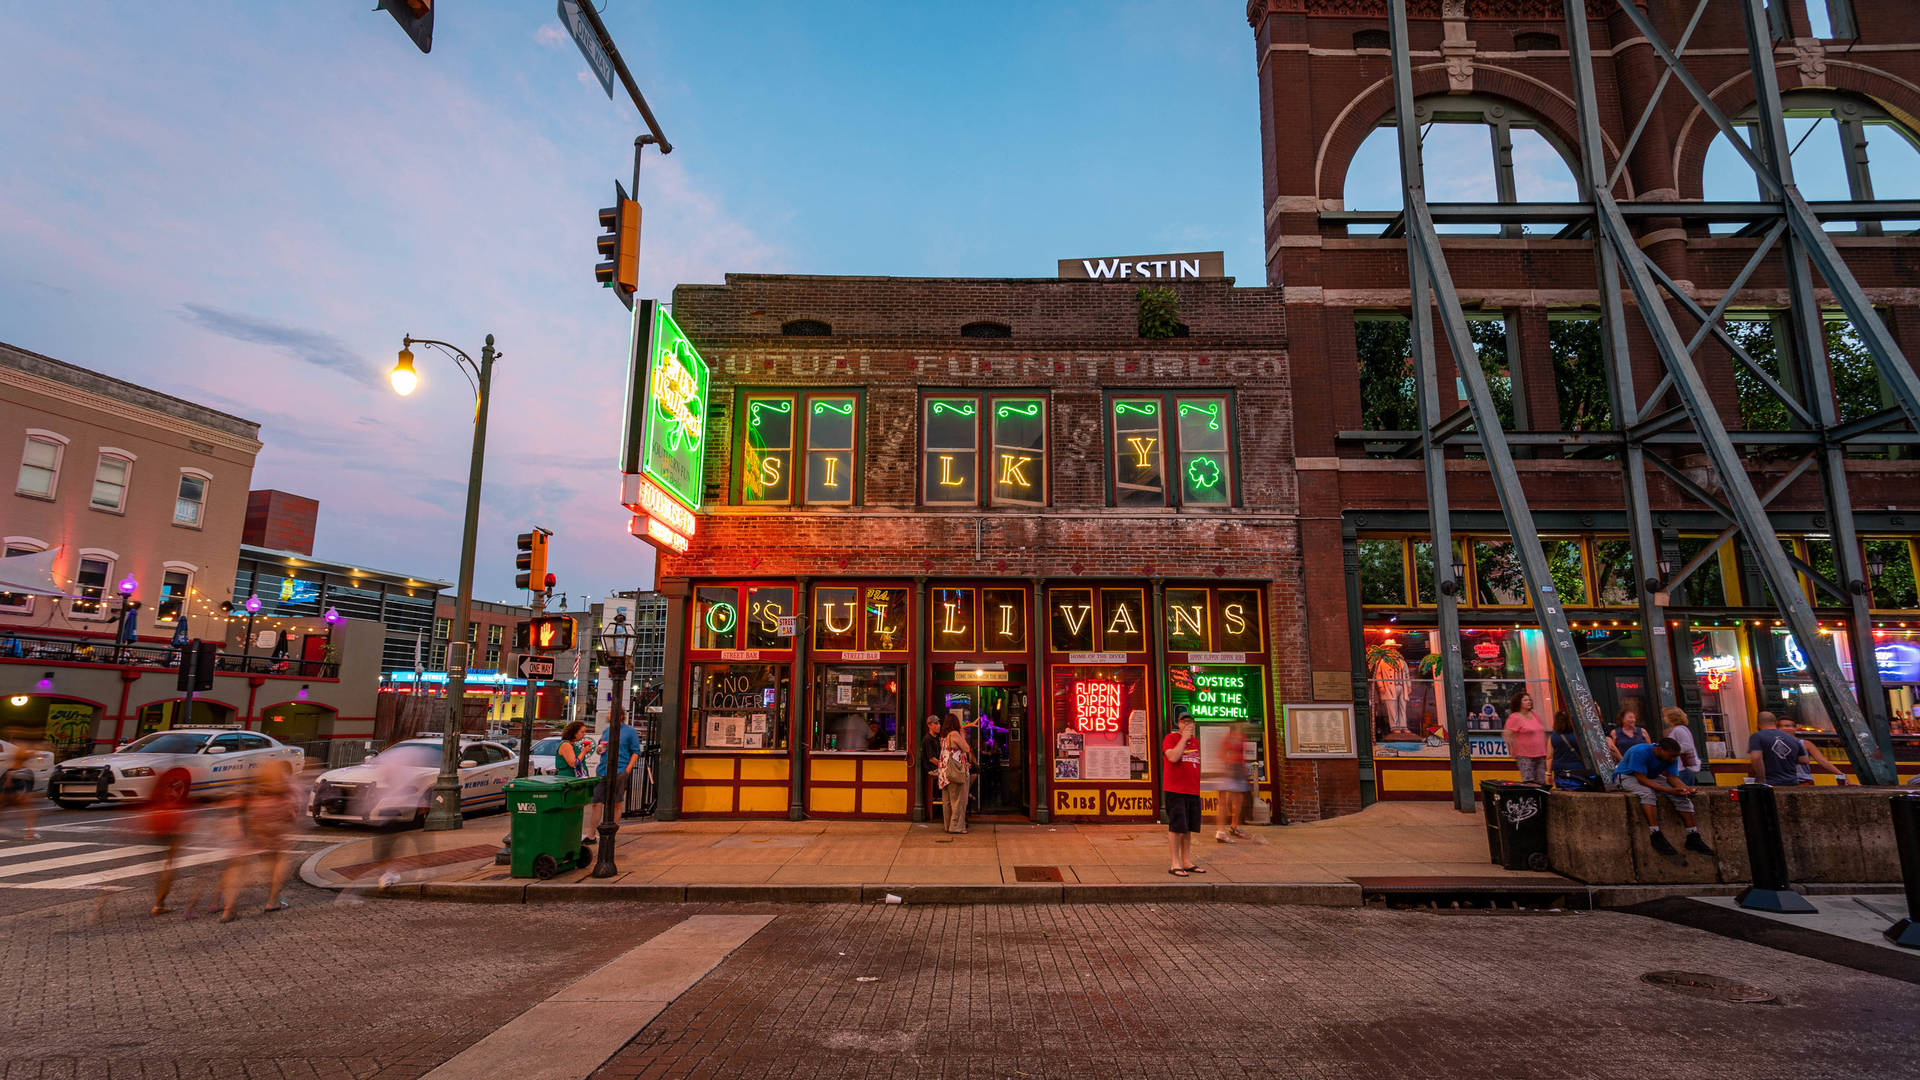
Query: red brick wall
x=280, y=521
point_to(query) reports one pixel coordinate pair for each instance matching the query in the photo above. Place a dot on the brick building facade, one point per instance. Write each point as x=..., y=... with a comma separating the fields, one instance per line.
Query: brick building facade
x=1052, y=527
x=1325, y=92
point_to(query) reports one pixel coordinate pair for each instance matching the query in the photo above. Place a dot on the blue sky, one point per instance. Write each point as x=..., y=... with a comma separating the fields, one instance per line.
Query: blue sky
x=248, y=204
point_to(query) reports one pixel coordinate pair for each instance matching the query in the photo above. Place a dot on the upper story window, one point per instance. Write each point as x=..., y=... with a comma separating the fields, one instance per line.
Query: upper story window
x=40, y=464
x=110, y=479
x=175, y=586
x=1472, y=150
x=1828, y=139
x=818, y=432
x=1003, y=434
x=90, y=581
x=495, y=633
x=1195, y=469
x=806, y=328
x=985, y=329
x=13, y=602
x=189, y=505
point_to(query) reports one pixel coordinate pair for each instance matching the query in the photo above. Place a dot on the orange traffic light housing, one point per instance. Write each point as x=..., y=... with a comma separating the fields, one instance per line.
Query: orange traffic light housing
x=531, y=560
x=619, y=246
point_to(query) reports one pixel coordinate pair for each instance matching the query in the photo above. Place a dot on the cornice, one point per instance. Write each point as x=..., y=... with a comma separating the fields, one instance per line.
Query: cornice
x=100, y=403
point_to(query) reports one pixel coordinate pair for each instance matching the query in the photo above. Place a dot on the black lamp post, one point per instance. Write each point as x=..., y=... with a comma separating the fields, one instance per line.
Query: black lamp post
x=616, y=649
x=128, y=605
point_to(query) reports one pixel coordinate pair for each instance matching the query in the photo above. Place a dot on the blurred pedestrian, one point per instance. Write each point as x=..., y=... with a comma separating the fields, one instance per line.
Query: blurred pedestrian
x=1232, y=784
x=1181, y=781
x=165, y=821
x=16, y=781
x=956, y=764
x=1673, y=721
x=264, y=812
x=1627, y=732
x=1526, y=739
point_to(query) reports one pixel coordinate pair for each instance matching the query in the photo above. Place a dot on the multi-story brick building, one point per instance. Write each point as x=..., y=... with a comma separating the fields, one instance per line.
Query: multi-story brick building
x=1494, y=97
x=991, y=500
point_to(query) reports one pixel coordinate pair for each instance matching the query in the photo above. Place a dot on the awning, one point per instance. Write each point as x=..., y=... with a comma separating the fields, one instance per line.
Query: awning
x=32, y=574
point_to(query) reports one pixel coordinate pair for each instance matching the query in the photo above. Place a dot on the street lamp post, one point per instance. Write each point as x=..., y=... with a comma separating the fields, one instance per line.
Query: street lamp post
x=443, y=809
x=128, y=605
x=616, y=648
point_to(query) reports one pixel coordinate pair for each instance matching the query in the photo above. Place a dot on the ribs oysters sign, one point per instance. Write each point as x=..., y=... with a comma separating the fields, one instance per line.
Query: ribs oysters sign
x=665, y=439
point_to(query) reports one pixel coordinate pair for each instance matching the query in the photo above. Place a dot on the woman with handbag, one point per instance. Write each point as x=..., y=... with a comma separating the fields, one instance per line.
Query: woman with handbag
x=956, y=761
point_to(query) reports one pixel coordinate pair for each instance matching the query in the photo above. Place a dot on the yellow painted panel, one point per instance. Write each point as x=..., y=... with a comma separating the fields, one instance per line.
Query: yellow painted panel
x=709, y=768
x=891, y=801
x=762, y=800
x=763, y=768
x=830, y=800
x=883, y=771
x=841, y=769
x=1415, y=780
x=707, y=799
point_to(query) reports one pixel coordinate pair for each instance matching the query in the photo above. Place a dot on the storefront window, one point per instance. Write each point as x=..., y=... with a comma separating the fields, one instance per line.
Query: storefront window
x=1019, y=451
x=1497, y=579
x=1070, y=619
x=836, y=618
x=1238, y=625
x=857, y=708
x=1139, y=453
x=737, y=707
x=1894, y=588
x=1703, y=587
x=1720, y=676
x=1820, y=556
x=1383, y=572
x=1409, y=715
x=716, y=617
x=1100, y=723
x=953, y=620
x=830, y=432
x=1613, y=573
x=886, y=619
x=1123, y=624
x=1567, y=563
x=1217, y=695
x=1003, y=614
x=1187, y=629
x=1205, y=465
x=766, y=606
x=950, y=451
x=767, y=473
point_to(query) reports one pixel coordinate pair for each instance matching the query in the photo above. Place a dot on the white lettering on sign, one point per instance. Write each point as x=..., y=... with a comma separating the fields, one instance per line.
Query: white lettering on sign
x=1146, y=268
x=854, y=656
x=1217, y=657
x=1097, y=658
x=661, y=505
x=740, y=654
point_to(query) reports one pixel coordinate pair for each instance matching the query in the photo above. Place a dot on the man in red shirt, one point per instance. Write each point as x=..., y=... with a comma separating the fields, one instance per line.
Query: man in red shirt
x=1182, y=784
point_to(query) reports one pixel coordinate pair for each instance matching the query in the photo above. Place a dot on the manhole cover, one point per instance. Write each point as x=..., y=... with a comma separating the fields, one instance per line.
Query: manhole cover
x=1037, y=873
x=1714, y=987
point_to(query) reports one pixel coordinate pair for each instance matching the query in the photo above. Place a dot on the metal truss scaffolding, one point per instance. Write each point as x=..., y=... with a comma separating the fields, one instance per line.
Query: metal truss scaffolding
x=1789, y=229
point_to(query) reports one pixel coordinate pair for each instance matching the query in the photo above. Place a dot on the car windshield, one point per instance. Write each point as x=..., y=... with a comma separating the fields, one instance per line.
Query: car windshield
x=169, y=742
x=411, y=753
x=546, y=746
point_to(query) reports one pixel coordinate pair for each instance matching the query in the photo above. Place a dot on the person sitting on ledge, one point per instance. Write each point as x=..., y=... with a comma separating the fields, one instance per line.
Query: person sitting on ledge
x=1648, y=771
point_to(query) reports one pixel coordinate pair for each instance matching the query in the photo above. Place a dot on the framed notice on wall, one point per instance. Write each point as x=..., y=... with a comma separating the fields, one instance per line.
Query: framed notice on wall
x=1319, y=730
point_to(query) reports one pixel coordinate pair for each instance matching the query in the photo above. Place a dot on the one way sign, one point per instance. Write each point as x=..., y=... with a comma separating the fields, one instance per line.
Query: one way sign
x=536, y=667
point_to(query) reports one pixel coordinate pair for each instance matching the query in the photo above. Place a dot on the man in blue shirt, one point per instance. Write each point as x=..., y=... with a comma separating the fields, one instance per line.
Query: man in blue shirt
x=629, y=753
x=1648, y=771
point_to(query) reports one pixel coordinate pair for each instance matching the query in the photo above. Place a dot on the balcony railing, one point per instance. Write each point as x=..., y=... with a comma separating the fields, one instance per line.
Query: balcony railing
x=18, y=647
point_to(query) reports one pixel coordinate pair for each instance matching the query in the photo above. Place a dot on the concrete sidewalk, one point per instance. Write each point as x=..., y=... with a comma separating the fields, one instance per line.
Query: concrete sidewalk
x=1321, y=862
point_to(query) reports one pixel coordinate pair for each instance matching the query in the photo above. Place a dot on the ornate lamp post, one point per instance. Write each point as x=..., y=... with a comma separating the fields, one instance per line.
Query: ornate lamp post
x=128, y=605
x=616, y=649
x=443, y=809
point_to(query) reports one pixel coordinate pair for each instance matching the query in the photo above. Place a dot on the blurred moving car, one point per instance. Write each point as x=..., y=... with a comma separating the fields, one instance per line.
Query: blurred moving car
x=31, y=777
x=394, y=785
x=216, y=760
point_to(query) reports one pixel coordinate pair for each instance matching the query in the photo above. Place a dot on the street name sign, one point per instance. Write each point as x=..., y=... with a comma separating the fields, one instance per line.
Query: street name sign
x=589, y=44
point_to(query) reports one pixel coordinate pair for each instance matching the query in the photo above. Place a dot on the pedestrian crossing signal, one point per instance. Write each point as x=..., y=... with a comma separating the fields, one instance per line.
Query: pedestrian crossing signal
x=549, y=634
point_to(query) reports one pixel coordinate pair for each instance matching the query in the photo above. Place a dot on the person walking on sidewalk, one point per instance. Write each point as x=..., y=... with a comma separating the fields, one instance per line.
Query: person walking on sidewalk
x=956, y=762
x=1526, y=739
x=265, y=812
x=1232, y=786
x=164, y=819
x=1181, y=782
x=1648, y=772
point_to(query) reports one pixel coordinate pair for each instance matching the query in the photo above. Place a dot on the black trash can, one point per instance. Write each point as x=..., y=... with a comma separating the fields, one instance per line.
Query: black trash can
x=1516, y=816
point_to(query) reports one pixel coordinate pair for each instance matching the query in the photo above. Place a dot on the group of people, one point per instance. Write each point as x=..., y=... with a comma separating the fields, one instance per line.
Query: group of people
x=255, y=825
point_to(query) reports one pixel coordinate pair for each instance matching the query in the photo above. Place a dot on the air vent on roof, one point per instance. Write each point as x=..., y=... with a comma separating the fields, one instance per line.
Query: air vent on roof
x=986, y=330
x=806, y=328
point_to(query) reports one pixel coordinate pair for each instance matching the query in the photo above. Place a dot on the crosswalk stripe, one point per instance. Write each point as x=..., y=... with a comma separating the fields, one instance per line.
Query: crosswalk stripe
x=85, y=881
x=31, y=848
x=64, y=861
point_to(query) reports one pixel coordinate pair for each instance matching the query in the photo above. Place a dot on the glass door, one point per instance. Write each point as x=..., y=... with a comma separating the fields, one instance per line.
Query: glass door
x=994, y=718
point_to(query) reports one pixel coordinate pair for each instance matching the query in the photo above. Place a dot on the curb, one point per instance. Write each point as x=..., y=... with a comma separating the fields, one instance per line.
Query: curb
x=1308, y=894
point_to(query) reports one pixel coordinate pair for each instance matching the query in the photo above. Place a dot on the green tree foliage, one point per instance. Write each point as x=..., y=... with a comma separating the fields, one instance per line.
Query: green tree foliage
x=1385, y=352
x=1579, y=374
x=1760, y=408
x=1490, y=345
x=1383, y=575
x=1159, y=313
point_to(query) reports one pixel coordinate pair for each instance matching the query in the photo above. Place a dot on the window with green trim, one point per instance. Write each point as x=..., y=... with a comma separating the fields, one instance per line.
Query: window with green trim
x=1019, y=451
x=950, y=451
x=1194, y=469
x=799, y=448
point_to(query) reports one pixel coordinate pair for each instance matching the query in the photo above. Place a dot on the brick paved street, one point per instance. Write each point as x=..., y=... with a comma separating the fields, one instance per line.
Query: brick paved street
x=390, y=989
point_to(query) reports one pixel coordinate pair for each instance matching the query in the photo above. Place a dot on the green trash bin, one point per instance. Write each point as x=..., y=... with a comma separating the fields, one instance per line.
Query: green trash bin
x=545, y=815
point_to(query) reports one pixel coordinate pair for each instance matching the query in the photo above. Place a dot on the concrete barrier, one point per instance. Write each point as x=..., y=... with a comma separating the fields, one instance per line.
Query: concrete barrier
x=1831, y=835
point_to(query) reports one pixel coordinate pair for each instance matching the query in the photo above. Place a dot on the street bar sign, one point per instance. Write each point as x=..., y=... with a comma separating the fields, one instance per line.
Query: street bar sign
x=589, y=44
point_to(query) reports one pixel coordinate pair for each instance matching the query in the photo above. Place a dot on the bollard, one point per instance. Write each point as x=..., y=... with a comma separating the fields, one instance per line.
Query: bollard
x=1906, y=839
x=1767, y=853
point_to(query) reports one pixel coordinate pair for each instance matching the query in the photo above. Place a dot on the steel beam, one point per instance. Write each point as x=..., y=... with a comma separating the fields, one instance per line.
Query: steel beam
x=1433, y=451
x=1717, y=211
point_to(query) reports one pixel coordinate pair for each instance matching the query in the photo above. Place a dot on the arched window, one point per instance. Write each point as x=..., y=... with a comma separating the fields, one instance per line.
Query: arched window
x=986, y=330
x=1473, y=150
x=806, y=328
x=1843, y=149
x=1370, y=39
x=1533, y=41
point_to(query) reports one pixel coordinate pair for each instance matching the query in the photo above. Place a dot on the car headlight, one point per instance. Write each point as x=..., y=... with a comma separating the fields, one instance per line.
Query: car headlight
x=138, y=771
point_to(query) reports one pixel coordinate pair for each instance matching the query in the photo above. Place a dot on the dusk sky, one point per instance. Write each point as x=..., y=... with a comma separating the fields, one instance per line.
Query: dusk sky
x=247, y=205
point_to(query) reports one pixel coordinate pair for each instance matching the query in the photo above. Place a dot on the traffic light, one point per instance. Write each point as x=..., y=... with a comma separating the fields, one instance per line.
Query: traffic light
x=551, y=633
x=415, y=17
x=620, y=246
x=531, y=562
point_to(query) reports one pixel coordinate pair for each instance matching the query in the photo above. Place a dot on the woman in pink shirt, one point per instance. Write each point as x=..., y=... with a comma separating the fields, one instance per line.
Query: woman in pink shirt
x=1526, y=740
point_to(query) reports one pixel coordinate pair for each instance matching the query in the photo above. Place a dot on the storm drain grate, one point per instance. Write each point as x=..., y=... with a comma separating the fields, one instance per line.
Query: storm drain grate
x=1712, y=987
x=1037, y=873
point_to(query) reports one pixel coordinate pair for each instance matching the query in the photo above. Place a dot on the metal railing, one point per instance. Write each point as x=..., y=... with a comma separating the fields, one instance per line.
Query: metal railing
x=33, y=648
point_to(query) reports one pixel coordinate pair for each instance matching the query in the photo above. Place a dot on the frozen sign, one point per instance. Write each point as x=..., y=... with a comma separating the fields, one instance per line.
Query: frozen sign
x=1096, y=707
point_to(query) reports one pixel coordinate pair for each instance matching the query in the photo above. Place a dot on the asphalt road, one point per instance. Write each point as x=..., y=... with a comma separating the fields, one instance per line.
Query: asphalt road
x=390, y=989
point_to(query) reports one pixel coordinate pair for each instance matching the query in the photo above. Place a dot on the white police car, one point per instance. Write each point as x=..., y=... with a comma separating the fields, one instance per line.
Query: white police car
x=396, y=784
x=216, y=760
